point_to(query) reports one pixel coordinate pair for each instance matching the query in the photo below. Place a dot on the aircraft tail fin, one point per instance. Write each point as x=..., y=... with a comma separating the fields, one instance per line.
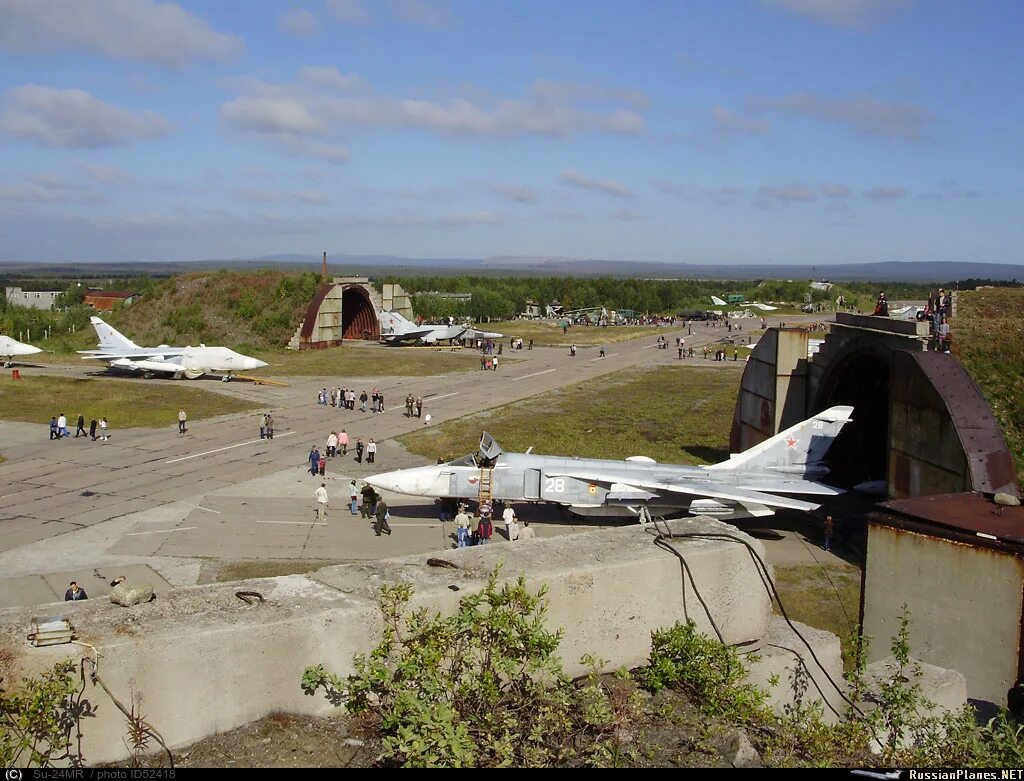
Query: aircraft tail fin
x=717, y=301
x=799, y=450
x=111, y=338
x=394, y=323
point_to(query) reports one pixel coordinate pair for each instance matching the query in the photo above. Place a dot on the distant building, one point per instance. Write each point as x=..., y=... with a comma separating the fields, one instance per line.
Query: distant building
x=532, y=308
x=826, y=286
x=105, y=300
x=34, y=299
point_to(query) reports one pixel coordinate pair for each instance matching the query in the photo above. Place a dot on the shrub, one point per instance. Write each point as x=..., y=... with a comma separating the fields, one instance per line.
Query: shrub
x=37, y=718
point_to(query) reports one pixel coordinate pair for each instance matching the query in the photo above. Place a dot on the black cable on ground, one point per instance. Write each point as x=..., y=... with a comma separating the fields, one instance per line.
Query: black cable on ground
x=762, y=568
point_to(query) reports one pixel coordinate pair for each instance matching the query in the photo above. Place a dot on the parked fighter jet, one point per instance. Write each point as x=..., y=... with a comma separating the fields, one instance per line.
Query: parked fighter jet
x=395, y=329
x=120, y=352
x=11, y=348
x=747, y=485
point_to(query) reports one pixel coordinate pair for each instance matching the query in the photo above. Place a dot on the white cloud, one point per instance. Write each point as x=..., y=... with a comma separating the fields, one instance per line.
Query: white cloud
x=862, y=114
x=882, y=193
x=729, y=121
x=840, y=13
x=350, y=11
x=606, y=186
x=300, y=22
x=73, y=118
x=834, y=190
x=793, y=193
x=311, y=197
x=161, y=33
x=330, y=78
x=105, y=174
x=324, y=103
x=517, y=193
x=724, y=195
x=433, y=14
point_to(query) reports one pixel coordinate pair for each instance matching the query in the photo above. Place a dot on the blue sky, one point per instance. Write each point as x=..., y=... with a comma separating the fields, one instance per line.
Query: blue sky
x=738, y=131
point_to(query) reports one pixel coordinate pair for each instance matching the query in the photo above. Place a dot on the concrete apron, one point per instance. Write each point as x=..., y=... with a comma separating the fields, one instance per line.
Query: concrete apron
x=204, y=662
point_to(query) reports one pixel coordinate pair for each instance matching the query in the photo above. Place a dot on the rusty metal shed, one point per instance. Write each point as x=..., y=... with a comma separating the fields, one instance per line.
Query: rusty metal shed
x=957, y=562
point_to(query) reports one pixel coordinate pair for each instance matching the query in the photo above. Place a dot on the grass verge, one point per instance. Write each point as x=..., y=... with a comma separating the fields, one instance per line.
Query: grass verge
x=678, y=414
x=124, y=404
x=988, y=337
x=364, y=361
x=822, y=596
x=229, y=571
x=546, y=334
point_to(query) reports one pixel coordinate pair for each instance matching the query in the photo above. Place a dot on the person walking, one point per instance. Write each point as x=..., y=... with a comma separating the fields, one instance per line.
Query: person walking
x=601, y=354
x=54, y=431
x=382, y=515
x=181, y=421
x=332, y=445
x=343, y=442
x=321, y=502
x=80, y=431
x=362, y=401
x=409, y=401
x=103, y=430
x=92, y=429
x=359, y=450
x=494, y=363
x=62, y=426
x=353, y=497
x=75, y=594
x=263, y=426
x=369, y=499
x=314, y=460
x=828, y=528
x=419, y=406
x=322, y=465
x=371, y=451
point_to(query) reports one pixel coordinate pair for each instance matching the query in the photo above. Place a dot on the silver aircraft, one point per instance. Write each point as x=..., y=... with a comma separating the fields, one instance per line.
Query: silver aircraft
x=120, y=352
x=12, y=348
x=748, y=485
x=395, y=329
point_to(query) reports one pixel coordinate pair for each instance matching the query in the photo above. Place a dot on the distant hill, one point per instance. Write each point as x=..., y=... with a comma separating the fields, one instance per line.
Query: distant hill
x=504, y=265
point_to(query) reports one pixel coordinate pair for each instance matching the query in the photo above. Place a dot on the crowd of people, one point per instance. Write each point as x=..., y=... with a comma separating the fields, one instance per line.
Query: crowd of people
x=97, y=430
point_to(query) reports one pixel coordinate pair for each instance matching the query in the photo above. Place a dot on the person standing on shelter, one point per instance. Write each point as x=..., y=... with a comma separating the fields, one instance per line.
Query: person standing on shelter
x=371, y=451
x=382, y=515
x=353, y=497
x=343, y=442
x=75, y=594
x=321, y=502
x=80, y=432
x=181, y=420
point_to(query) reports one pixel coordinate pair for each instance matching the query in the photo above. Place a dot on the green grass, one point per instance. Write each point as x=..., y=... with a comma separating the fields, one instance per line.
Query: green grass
x=679, y=414
x=546, y=334
x=824, y=597
x=123, y=404
x=988, y=337
x=364, y=361
x=229, y=571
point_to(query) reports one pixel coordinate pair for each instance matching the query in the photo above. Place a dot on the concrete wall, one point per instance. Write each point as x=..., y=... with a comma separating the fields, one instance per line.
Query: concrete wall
x=964, y=603
x=205, y=662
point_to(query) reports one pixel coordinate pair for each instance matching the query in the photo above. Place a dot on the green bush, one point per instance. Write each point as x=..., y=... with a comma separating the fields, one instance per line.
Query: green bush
x=480, y=688
x=37, y=718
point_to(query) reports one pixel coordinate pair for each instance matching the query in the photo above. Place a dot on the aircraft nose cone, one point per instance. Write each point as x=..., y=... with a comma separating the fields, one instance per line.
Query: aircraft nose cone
x=254, y=363
x=405, y=481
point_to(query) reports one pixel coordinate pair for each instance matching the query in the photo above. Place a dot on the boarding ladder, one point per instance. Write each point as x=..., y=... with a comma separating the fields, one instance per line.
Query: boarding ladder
x=485, y=486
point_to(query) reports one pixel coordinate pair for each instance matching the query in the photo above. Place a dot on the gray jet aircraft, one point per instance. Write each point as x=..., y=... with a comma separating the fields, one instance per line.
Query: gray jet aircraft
x=747, y=485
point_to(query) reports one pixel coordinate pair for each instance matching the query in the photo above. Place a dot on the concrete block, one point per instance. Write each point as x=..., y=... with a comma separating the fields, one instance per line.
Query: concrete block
x=801, y=680
x=206, y=662
x=945, y=689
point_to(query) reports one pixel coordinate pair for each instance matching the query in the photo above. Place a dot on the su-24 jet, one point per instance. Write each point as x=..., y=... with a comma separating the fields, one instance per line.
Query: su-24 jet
x=120, y=352
x=395, y=329
x=12, y=348
x=748, y=485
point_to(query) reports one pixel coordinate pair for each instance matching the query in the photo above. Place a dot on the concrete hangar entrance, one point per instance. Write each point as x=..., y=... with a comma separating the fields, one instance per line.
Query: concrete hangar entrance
x=344, y=308
x=920, y=423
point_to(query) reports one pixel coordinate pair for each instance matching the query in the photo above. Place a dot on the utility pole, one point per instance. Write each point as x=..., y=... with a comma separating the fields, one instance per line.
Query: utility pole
x=323, y=268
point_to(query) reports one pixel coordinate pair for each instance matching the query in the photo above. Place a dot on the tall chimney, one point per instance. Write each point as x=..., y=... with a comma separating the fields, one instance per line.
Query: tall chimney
x=323, y=270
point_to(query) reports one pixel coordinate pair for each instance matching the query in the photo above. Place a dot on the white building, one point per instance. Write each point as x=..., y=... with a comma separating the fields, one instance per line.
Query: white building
x=34, y=299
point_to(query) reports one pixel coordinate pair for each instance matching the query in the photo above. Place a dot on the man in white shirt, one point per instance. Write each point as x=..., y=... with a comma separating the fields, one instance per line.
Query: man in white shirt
x=332, y=445
x=511, y=527
x=462, y=528
x=62, y=426
x=321, y=502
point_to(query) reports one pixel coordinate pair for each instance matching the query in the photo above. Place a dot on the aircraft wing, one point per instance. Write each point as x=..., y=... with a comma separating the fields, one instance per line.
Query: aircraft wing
x=665, y=487
x=132, y=354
